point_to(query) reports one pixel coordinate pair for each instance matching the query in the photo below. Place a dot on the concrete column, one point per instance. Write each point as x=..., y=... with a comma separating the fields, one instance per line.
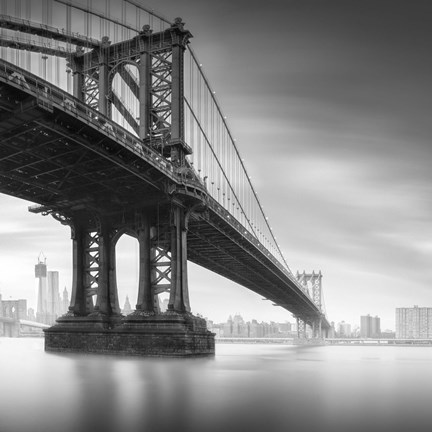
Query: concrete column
x=145, y=300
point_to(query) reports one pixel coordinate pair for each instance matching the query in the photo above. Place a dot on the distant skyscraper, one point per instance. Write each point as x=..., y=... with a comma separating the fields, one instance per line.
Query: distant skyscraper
x=53, y=309
x=414, y=323
x=41, y=274
x=31, y=314
x=66, y=301
x=370, y=327
x=49, y=306
x=344, y=329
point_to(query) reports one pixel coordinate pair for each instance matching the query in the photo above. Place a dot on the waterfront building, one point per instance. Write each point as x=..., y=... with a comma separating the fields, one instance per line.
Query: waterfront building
x=370, y=327
x=285, y=327
x=237, y=327
x=344, y=330
x=414, y=323
x=388, y=334
x=332, y=330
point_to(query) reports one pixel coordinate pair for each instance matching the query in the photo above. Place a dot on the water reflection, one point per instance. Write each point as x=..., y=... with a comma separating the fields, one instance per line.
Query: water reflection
x=244, y=388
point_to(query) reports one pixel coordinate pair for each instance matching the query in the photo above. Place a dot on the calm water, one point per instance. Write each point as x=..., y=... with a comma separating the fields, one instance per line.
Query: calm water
x=244, y=388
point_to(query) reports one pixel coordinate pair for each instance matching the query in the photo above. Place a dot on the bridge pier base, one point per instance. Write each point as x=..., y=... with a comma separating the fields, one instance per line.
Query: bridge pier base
x=97, y=325
x=169, y=334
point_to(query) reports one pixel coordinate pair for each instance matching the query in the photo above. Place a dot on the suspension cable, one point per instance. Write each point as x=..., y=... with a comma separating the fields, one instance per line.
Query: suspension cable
x=237, y=152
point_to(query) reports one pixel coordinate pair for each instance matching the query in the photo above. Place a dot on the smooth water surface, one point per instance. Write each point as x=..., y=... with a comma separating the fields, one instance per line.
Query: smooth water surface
x=243, y=388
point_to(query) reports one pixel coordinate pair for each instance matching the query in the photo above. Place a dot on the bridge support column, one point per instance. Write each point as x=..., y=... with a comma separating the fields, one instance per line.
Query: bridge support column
x=78, y=298
x=94, y=271
x=301, y=328
x=146, y=295
x=107, y=303
x=81, y=302
x=316, y=328
x=179, y=295
x=78, y=78
x=146, y=331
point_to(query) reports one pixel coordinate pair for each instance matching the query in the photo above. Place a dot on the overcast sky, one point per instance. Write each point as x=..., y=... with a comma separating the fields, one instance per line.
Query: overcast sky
x=330, y=103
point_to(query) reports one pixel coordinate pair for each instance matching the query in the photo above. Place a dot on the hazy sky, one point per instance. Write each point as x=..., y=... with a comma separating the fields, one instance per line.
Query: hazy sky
x=330, y=103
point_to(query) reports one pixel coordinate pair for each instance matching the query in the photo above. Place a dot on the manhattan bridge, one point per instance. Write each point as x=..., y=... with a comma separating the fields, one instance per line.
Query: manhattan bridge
x=109, y=125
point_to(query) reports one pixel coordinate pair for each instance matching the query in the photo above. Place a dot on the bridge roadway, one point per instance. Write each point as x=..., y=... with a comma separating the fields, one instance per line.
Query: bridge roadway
x=61, y=154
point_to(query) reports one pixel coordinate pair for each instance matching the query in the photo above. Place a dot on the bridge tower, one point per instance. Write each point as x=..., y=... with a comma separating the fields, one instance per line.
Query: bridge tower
x=311, y=283
x=158, y=221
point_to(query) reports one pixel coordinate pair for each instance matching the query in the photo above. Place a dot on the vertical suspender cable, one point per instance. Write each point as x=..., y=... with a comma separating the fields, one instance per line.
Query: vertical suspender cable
x=199, y=117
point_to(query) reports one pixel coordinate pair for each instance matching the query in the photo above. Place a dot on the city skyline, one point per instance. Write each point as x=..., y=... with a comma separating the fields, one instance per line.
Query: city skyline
x=330, y=105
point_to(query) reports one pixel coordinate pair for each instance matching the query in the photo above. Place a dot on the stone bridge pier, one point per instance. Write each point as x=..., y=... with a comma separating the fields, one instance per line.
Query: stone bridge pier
x=94, y=322
x=317, y=332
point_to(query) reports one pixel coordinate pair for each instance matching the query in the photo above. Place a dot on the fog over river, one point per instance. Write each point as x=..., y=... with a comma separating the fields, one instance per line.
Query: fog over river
x=243, y=388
